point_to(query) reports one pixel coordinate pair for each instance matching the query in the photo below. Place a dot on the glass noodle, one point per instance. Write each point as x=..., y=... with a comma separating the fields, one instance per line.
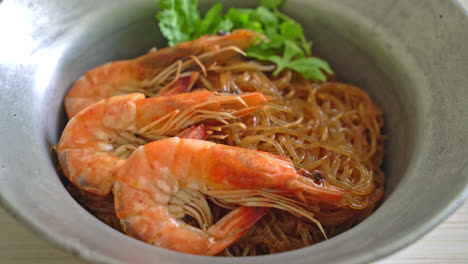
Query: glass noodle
x=331, y=130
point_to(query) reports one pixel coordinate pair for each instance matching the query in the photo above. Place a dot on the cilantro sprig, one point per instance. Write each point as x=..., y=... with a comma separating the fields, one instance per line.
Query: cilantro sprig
x=287, y=47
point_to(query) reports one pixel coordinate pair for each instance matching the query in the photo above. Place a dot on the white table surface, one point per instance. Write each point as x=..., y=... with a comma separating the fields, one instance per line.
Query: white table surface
x=448, y=243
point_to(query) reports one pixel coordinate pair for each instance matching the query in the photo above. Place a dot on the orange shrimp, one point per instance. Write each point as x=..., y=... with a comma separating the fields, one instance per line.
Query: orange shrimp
x=96, y=142
x=155, y=71
x=156, y=173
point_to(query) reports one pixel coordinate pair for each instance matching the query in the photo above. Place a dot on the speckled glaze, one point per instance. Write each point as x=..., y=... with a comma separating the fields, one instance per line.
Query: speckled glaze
x=410, y=56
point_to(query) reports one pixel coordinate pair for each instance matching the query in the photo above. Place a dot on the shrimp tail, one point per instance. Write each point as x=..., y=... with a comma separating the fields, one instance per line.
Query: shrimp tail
x=233, y=226
x=153, y=223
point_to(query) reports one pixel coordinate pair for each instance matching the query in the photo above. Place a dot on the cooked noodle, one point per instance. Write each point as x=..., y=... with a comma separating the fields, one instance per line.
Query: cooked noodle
x=330, y=130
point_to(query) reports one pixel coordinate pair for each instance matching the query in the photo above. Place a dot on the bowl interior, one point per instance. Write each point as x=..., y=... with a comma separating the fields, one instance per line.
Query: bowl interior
x=365, y=47
x=355, y=60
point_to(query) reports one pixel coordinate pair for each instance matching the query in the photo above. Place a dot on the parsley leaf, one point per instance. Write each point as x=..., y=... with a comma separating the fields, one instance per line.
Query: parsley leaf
x=287, y=46
x=177, y=19
x=170, y=27
x=311, y=68
x=211, y=22
x=266, y=17
x=293, y=30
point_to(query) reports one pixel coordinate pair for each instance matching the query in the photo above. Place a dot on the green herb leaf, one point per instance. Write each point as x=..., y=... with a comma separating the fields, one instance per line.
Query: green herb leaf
x=265, y=16
x=211, y=23
x=287, y=47
x=226, y=25
x=311, y=68
x=291, y=49
x=260, y=52
x=170, y=27
x=177, y=19
x=294, y=31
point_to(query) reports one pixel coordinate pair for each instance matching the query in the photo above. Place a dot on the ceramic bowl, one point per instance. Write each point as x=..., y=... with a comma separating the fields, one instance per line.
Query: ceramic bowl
x=410, y=56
